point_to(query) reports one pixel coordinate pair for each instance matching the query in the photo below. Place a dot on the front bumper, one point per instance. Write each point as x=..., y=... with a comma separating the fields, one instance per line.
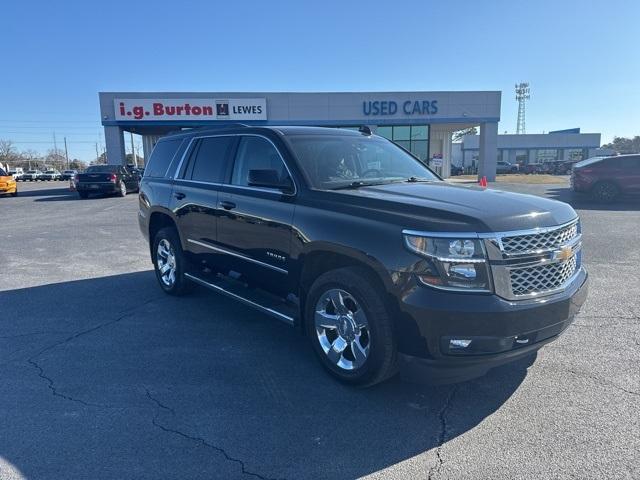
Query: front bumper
x=500, y=331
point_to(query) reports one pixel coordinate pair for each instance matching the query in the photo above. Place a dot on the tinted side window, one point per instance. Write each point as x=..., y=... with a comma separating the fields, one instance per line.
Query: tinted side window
x=209, y=162
x=256, y=153
x=161, y=157
x=628, y=163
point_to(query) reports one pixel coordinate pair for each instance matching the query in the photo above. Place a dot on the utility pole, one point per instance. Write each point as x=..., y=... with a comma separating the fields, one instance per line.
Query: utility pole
x=97, y=154
x=66, y=152
x=133, y=151
x=522, y=95
x=55, y=144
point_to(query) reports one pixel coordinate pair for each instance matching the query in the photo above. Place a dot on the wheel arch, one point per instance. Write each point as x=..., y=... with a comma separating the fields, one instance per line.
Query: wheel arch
x=159, y=219
x=323, y=257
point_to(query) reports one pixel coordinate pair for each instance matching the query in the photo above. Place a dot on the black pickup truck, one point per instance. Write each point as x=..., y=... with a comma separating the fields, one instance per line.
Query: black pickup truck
x=106, y=179
x=382, y=264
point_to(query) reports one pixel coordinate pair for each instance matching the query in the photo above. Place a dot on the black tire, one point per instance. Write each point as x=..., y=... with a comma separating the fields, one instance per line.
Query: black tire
x=181, y=285
x=122, y=189
x=381, y=361
x=605, y=192
x=15, y=194
x=83, y=195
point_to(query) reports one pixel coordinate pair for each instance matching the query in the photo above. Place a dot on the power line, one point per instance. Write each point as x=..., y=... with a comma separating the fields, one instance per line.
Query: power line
x=48, y=142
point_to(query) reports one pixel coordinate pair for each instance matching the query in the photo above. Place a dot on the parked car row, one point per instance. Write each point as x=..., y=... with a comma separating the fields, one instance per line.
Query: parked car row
x=36, y=175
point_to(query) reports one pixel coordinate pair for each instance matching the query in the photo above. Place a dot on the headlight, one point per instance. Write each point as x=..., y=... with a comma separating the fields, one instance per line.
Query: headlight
x=451, y=263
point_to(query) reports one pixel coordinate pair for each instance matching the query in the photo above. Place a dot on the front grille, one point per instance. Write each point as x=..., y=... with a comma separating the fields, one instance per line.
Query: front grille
x=542, y=278
x=523, y=244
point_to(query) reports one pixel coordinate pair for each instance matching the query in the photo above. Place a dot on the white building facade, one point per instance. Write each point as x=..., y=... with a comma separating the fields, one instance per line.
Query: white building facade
x=422, y=122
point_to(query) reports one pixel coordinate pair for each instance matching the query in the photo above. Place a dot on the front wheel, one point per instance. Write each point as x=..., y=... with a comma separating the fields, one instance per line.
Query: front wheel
x=83, y=195
x=169, y=262
x=350, y=327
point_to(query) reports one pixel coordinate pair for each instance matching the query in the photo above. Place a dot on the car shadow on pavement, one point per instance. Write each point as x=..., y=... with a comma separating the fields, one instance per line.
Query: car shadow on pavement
x=120, y=380
x=584, y=202
x=74, y=196
x=44, y=192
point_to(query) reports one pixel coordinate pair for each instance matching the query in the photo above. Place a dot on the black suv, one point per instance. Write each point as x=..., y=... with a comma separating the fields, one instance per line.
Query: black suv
x=344, y=234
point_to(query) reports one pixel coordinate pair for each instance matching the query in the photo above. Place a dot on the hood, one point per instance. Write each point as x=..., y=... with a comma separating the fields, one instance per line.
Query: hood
x=464, y=207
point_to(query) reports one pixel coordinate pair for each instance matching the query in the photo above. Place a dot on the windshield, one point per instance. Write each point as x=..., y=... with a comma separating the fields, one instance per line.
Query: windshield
x=589, y=161
x=102, y=169
x=337, y=161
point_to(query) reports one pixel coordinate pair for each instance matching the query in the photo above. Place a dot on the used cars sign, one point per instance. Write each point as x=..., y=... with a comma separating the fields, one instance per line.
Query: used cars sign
x=190, y=109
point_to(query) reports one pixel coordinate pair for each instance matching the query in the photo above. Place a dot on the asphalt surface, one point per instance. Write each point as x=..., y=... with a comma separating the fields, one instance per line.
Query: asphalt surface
x=102, y=376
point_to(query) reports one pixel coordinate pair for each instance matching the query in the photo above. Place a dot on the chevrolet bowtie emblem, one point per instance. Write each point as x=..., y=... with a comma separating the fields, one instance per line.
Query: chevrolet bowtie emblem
x=563, y=254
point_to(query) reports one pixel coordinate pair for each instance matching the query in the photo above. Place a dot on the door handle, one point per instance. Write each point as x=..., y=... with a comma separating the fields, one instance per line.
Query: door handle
x=179, y=195
x=227, y=205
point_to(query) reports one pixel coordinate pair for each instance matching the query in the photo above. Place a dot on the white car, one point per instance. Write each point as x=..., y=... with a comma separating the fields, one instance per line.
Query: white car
x=50, y=175
x=17, y=173
x=31, y=175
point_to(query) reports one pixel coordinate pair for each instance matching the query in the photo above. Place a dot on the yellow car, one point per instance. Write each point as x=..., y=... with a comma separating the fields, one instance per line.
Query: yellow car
x=8, y=184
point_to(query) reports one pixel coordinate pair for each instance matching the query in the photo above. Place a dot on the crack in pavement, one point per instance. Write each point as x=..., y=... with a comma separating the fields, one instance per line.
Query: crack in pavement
x=192, y=438
x=51, y=384
x=600, y=381
x=442, y=435
x=30, y=334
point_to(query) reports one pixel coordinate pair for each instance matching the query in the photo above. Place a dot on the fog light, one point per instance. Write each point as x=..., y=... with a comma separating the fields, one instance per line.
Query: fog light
x=458, y=343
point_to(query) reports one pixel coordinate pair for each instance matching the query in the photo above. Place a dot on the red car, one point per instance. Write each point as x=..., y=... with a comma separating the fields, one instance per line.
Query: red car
x=607, y=178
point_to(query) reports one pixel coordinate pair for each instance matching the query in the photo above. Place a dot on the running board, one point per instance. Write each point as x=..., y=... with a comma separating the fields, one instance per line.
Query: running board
x=261, y=301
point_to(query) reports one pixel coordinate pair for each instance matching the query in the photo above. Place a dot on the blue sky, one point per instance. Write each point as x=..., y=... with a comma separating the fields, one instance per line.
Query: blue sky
x=581, y=57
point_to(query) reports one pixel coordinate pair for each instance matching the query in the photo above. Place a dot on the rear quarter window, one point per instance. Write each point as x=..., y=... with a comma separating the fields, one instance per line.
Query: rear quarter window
x=161, y=157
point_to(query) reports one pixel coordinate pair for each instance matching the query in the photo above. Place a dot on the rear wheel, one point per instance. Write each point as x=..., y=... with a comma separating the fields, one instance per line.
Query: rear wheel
x=83, y=195
x=122, y=189
x=15, y=194
x=605, y=192
x=350, y=328
x=169, y=262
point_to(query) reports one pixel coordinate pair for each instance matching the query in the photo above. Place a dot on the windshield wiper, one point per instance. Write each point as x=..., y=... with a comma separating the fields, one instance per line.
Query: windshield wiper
x=358, y=184
x=416, y=180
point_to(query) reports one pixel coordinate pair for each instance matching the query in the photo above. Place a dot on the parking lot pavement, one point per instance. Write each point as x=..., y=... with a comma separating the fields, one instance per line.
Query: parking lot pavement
x=104, y=376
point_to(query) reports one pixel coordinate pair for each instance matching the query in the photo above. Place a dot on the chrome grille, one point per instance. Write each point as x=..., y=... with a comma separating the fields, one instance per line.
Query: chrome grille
x=523, y=244
x=542, y=278
x=529, y=263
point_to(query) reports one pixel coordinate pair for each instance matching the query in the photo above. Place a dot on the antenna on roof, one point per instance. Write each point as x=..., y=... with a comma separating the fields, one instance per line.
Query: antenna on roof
x=365, y=129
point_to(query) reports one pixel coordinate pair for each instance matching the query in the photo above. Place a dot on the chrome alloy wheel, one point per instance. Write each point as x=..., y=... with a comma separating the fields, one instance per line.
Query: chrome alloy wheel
x=166, y=262
x=342, y=329
x=123, y=189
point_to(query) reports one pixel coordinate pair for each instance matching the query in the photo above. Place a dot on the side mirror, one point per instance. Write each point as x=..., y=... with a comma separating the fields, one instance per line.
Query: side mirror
x=269, y=179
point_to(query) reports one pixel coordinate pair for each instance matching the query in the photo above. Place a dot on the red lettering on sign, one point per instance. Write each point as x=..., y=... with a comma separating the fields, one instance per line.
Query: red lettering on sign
x=158, y=109
x=207, y=110
x=138, y=112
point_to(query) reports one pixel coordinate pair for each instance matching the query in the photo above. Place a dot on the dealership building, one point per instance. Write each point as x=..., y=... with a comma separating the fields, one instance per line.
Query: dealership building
x=530, y=149
x=421, y=122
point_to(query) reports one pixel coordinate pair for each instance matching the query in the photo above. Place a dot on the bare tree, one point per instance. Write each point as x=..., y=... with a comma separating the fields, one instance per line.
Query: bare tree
x=8, y=153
